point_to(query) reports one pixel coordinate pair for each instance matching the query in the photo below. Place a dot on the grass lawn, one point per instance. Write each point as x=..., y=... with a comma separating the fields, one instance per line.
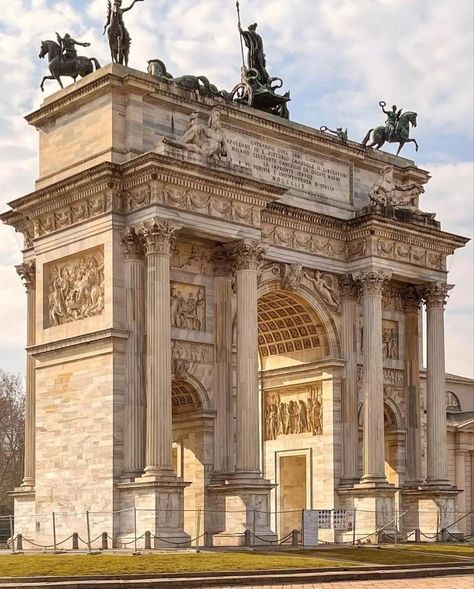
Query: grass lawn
x=65, y=565
x=386, y=555
x=464, y=550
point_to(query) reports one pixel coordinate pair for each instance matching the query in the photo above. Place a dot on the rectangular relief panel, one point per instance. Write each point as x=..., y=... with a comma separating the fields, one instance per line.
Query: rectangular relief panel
x=188, y=306
x=390, y=339
x=295, y=412
x=74, y=288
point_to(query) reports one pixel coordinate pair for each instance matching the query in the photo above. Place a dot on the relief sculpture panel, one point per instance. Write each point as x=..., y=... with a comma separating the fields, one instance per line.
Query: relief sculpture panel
x=188, y=306
x=294, y=413
x=74, y=288
x=390, y=339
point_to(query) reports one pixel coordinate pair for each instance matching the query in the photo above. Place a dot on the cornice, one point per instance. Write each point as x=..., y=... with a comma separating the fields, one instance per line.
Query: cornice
x=78, y=341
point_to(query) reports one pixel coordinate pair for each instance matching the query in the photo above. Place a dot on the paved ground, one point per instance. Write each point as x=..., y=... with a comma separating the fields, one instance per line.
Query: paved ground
x=462, y=582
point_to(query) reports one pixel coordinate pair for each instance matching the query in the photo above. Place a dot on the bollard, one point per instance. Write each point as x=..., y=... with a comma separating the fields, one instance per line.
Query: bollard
x=12, y=534
x=444, y=535
x=418, y=535
x=147, y=540
x=294, y=538
x=208, y=540
x=19, y=542
x=247, y=539
x=75, y=541
x=105, y=545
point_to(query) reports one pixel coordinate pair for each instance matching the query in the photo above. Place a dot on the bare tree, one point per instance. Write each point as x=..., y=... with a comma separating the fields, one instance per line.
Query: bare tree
x=12, y=420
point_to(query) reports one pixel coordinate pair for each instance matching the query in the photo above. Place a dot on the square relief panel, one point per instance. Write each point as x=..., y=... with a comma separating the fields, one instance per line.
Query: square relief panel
x=390, y=340
x=188, y=306
x=74, y=288
x=295, y=412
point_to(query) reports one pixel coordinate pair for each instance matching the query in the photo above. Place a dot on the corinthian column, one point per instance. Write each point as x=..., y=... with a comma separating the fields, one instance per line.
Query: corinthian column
x=223, y=372
x=135, y=401
x=27, y=273
x=372, y=282
x=350, y=422
x=247, y=257
x=435, y=298
x=412, y=301
x=158, y=238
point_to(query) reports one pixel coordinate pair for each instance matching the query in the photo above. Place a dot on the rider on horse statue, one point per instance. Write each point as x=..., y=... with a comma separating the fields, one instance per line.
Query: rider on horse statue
x=393, y=116
x=68, y=47
x=118, y=12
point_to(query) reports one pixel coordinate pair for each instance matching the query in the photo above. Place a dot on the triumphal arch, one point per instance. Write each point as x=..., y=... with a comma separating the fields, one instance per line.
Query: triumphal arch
x=224, y=313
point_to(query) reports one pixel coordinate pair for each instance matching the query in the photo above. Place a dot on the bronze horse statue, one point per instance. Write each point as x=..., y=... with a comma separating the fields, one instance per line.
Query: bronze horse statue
x=80, y=66
x=401, y=134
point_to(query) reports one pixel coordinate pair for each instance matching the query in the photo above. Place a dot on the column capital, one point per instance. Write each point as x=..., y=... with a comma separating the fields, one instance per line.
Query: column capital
x=435, y=294
x=246, y=254
x=27, y=272
x=159, y=236
x=372, y=281
x=349, y=287
x=132, y=245
x=411, y=297
x=222, y=261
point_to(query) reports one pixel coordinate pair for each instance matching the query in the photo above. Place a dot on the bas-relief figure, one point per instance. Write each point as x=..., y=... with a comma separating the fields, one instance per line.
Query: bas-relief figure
x=188, y=306
x=395, y=130
x=208, y=139
x=76, y=288
x=294, y=416
x=327, y=286
x=390, y=340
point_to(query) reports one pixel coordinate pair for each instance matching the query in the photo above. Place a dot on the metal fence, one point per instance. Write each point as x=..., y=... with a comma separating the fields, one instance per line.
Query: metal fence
x=93, y=531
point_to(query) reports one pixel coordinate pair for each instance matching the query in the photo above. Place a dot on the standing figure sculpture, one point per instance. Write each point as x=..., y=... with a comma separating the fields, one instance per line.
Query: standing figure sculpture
x=256, y=55
x=119, y=38
x=395, y=130
x=64, y=61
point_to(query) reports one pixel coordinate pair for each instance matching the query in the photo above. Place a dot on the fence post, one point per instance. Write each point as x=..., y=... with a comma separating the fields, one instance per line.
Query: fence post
x=19, y=542
x=147, y=540
x=88, y=532
x=75, y=541
x=105, y=545
x=198, y=529
x=135, y=551
x=354, y=527
x=54, y=533
x=396, y=526
x=254, y=528
x=247, y=539
x=302, y=528
x=12, y=532
x=294, y=538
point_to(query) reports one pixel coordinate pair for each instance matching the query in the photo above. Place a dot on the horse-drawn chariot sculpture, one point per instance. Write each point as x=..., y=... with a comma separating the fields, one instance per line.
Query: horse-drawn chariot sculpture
x=257, y=88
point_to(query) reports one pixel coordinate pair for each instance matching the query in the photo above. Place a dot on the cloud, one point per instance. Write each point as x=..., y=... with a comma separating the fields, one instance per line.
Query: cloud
x=338, y=58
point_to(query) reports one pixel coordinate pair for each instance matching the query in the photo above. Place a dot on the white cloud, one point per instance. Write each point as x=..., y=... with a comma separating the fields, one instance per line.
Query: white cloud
x=338, y=58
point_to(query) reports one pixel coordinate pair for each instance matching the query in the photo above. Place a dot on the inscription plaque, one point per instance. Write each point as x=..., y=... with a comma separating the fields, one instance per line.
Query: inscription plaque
x=319, y=178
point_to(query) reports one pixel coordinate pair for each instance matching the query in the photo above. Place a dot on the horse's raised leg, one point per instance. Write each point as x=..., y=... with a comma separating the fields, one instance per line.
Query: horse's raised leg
x=380, y=144
x=413, y=141
x=44, y=80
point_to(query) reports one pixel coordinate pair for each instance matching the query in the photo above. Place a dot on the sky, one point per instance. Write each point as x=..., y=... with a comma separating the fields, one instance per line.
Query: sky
x=338, y=58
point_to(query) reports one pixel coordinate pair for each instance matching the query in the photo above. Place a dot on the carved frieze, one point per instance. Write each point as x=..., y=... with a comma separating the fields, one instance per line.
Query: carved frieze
x=74, y=287
x=299, y=412
x=303, y=241
x=391, y=376
x=192, y=351
x=192, y=257
x=188, y=306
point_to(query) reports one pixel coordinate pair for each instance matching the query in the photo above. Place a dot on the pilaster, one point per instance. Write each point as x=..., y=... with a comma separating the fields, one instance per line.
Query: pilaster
x=27, y=273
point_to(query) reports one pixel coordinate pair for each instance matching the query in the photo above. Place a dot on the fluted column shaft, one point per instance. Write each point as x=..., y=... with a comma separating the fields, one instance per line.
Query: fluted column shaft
x=158, y=237
x=247, y=257
x=27, y=272
x=223, y=372
x=135, y=400
x=374, y=449
x=350, y=422
x=412, y=370
x=437, y=471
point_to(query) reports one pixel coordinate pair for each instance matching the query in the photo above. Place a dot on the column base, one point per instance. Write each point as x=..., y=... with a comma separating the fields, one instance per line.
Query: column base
x=158, y=506
x=374, y=509
x=24, y=507
x=431, y=510
x=243, y=503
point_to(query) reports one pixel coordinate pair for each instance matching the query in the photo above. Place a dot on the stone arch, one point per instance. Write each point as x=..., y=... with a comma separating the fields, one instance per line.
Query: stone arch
x=189, y=395
x=393, y=417
x=314, y=305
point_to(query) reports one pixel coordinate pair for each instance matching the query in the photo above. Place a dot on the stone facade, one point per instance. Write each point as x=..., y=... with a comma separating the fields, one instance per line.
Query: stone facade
x=215, y=344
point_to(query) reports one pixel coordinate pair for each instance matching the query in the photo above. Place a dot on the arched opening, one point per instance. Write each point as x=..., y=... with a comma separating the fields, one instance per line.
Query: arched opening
x=193, y=430
x=296, y=404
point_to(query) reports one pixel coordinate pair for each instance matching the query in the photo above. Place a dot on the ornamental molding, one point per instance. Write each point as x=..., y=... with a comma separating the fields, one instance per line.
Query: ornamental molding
x=372, y=281
x=158, y=236
x=27, y=273
x=436, y=294
x=132, y=245
x=106, y=335
x=246, y=254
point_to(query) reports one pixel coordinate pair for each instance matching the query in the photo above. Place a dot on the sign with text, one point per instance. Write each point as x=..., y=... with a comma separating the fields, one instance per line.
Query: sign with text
x=310, y=527
x=318, y=177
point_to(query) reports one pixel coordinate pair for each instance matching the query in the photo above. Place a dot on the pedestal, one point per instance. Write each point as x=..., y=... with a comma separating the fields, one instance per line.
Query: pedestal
x=431, y=511
x=374, y=508
x=242, y=506
x=157, y=507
